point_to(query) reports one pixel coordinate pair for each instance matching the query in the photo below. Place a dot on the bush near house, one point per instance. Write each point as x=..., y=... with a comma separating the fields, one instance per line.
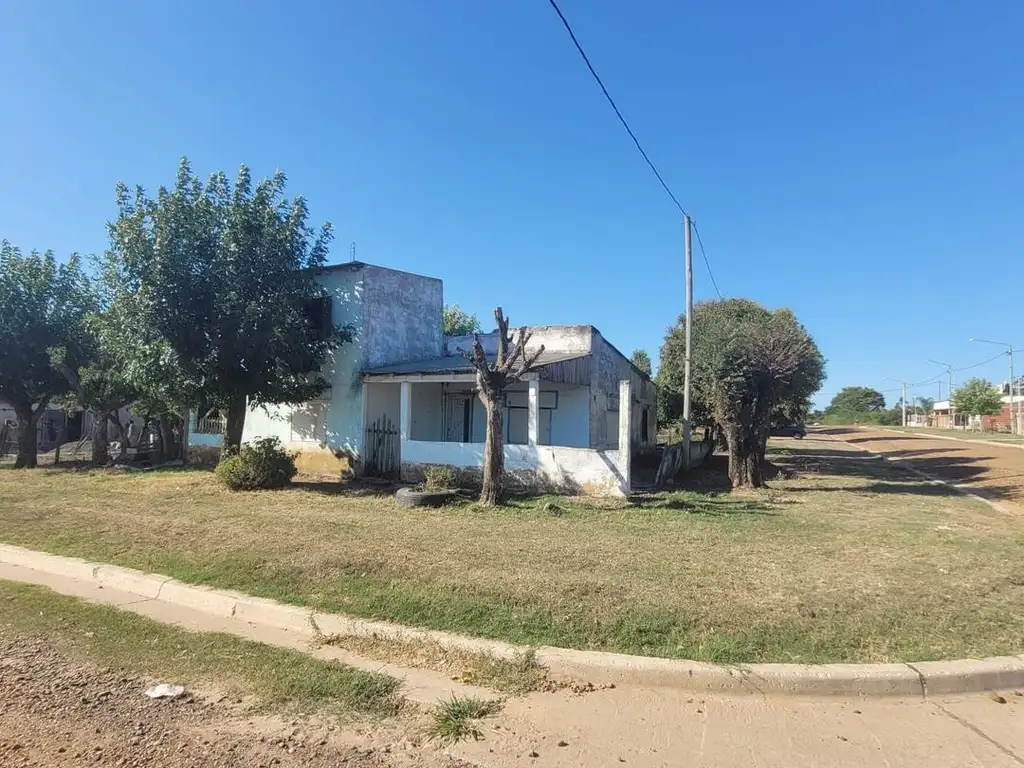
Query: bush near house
x=259, y=465
x=438, y=477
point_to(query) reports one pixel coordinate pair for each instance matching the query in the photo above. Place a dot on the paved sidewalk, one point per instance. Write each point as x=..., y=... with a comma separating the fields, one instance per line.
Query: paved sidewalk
x=649, y=726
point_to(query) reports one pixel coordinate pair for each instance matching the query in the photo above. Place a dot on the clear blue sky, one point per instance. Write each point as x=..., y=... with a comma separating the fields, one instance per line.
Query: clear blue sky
x=862, y=163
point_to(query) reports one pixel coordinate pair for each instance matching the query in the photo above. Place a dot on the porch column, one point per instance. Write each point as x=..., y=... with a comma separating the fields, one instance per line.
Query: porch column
x=625, y=428
x=405, y=412
x=533, y=413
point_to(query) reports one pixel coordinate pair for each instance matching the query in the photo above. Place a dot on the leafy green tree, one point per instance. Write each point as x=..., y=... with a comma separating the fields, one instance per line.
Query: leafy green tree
x=978, y=397
x=641, y=360
x=42, y=313
x=857, y=400
x=220, y=280
x=747, y=364
x=925, y=404
x=100, y=385
x=457, y=322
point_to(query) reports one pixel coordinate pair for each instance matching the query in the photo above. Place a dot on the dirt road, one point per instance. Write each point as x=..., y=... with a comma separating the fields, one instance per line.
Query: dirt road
x=992, y=472
x=58, y=711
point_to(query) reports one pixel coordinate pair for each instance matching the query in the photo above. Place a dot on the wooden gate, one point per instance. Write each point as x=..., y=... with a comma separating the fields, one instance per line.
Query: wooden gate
x=381, y=448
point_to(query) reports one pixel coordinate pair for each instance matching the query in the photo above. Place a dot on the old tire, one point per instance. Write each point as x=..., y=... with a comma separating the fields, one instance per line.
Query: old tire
x=410, y=497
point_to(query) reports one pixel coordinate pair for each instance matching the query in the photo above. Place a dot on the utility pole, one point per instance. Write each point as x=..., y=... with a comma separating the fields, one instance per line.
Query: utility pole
x=904, y=399
x=949, y=396
x=687, y=426
x=1014, y=428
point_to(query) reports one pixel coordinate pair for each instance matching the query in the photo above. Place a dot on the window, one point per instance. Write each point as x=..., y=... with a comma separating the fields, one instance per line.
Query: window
x=318, y=312
x=643, y=425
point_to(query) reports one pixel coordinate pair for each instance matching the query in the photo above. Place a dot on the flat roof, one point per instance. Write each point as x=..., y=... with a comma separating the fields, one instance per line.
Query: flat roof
x=458, y=364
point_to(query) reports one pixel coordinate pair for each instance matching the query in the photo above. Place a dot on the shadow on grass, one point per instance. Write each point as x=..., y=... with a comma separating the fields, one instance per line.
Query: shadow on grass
x=348, y=488
x=953, y=464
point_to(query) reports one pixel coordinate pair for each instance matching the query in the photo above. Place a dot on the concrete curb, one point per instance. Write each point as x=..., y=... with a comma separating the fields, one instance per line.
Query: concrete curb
x=916, y=679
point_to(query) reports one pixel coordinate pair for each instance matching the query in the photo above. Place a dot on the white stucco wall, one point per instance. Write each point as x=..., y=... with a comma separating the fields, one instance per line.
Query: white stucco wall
x=426, y=412
x=343, y=407
x=383, y=400
x=570, y=421
x=396, y=317
x=595, y=472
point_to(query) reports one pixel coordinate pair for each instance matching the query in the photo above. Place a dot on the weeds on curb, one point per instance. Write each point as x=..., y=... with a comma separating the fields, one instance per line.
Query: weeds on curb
x=457, y=719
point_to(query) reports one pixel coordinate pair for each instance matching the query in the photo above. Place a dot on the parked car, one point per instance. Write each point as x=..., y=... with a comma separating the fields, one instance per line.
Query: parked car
x=799, y=431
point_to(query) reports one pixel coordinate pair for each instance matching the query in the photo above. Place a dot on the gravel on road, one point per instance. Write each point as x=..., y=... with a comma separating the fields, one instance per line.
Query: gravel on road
x=58, y=711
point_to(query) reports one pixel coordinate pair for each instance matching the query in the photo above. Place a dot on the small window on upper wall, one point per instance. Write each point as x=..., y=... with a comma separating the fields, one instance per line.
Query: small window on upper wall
x=318, y=311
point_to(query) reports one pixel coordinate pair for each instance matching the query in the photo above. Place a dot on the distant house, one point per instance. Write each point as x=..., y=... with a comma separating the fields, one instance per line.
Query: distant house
x=402, y=396
x=1000, y=422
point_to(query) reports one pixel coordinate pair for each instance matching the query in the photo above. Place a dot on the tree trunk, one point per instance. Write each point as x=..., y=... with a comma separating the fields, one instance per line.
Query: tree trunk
x=744, y=459
x=27, y=450
x=122, y=436
x=100, y=444
x=234, y=426
x=494, y=452
x=159, y=451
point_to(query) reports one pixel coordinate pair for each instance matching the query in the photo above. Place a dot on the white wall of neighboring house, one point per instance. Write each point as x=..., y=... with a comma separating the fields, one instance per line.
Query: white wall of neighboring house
x=396, y=317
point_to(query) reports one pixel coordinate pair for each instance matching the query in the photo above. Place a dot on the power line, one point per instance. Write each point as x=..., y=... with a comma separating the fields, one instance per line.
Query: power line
x=636, y=141
x=978, y=365
x=706, y=262
x=600, y=82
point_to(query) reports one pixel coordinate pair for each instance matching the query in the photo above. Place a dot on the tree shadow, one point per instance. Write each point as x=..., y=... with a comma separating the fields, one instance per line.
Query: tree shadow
x=357, y=488
x=895, y=471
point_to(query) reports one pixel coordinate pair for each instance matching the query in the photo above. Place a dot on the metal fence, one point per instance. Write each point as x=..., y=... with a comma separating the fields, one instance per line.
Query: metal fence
x=214, y=425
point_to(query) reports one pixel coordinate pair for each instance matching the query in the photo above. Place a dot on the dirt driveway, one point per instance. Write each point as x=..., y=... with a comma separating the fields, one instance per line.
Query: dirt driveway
x=993, y=472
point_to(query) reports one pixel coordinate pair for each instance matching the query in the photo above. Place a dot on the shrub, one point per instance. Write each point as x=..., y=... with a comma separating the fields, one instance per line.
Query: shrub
x=260, y=464
x=439, y=477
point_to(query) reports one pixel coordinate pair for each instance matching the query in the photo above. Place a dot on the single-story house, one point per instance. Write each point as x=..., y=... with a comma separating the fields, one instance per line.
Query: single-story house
x=1000, y=422
x=402, y=396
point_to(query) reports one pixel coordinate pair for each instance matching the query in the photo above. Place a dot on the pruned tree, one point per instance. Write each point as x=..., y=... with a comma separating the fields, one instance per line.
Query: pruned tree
x=748, y=364
x=221, y=283
x=978, y=397
x=510, y=364
x=455, y=321
x=641, y=360
x=42, y=312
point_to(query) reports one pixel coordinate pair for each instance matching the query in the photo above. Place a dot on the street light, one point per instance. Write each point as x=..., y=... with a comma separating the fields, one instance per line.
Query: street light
x=904, y=400
x=949, y=370
x=1014, y=428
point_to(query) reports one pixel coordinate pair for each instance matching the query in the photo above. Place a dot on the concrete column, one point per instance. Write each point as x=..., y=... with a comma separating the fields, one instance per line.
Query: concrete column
x=533, y=413
x=405, y=412
x=625, y=429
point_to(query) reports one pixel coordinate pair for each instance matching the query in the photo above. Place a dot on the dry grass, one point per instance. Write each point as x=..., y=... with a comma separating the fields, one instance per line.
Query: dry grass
x=850, y=560
x=515, y=676
x=110, y=637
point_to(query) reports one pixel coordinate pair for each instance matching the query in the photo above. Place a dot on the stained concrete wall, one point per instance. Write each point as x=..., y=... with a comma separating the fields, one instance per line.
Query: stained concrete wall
x=402, y=317
x=555, y=338
x=610, y=367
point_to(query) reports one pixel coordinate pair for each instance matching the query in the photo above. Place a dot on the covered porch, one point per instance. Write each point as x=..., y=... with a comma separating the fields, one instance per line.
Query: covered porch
x=429, y=413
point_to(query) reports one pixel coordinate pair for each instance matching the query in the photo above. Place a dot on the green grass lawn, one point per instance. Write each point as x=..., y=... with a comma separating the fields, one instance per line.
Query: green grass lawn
x=846, y=560
x=110, y=637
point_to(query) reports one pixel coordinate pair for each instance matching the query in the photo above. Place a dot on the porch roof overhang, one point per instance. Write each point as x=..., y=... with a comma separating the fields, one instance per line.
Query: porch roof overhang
x=564, y=367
